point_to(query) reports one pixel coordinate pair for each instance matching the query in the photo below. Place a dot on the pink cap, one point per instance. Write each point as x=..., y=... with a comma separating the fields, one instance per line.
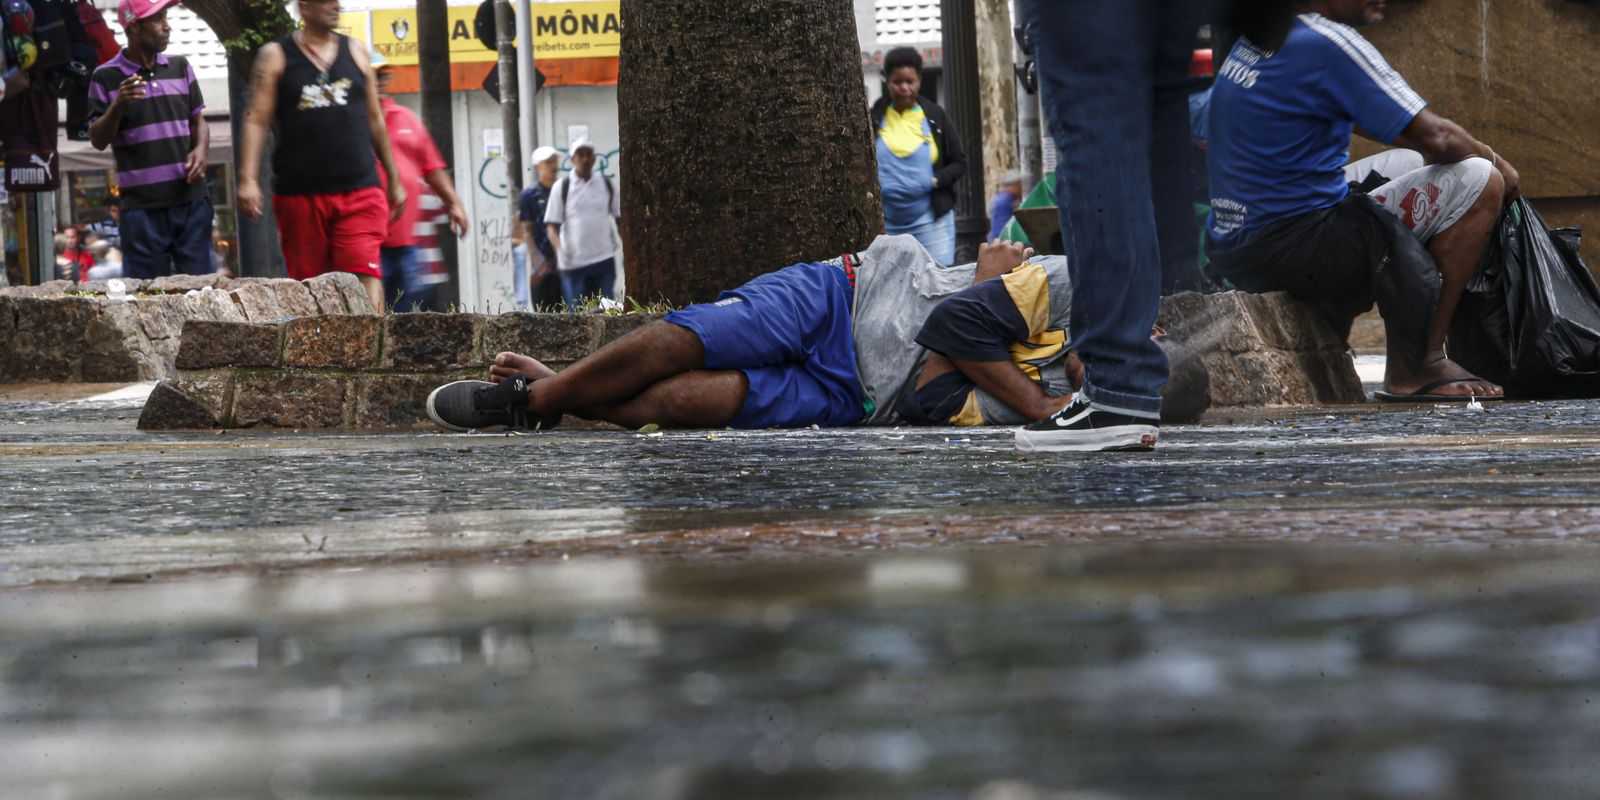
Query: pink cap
x=131, y=11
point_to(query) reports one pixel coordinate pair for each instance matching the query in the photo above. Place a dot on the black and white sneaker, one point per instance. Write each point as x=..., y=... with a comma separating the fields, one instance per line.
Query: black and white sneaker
x=465, y=406
x=1081, y=428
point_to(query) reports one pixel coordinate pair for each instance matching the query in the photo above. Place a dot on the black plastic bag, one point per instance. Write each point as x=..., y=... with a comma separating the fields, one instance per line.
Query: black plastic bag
x=1530, y=317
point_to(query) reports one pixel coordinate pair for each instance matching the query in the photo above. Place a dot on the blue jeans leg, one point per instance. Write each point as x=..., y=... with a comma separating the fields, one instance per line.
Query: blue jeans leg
x=939, y=238
x=394, y=278
x=146, y=243
x=402, y=289
x=603, y=277
x=519, y=277
x=191, y=237
x=593, y=280
x=1097, y=67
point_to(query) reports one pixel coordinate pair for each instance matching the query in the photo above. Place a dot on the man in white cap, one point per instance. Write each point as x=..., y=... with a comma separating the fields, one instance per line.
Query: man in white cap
x=146, y=106
x=579, y=220
x=536, y=283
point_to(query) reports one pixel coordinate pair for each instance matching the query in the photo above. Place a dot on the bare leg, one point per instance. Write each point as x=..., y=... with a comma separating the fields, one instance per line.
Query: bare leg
x=695, y=399
x=615, y=373
x=374, y=286
x=1457, y=250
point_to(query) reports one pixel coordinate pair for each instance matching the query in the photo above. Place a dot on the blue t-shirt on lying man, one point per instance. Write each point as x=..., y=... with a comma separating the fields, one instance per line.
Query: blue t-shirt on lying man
x=1281, y=123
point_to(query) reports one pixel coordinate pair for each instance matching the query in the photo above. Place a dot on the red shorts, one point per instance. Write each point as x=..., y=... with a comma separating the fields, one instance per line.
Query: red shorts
x=332, y=232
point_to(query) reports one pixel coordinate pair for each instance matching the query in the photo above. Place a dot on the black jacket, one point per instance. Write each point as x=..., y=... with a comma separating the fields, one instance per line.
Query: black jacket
x=952, y=158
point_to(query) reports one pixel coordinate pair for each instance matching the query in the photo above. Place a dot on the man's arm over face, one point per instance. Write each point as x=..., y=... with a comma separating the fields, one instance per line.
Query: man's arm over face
x=977, y=332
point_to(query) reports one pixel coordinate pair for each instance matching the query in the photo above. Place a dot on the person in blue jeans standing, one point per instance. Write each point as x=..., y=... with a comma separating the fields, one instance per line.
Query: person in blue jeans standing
x=1099, y=64
x=580, y=221
x=920, y=158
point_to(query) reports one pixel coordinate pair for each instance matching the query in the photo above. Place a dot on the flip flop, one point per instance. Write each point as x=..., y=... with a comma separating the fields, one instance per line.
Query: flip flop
x=1422, y=395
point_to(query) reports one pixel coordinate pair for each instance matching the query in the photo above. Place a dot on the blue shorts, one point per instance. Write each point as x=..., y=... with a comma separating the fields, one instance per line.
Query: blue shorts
x=789, y=332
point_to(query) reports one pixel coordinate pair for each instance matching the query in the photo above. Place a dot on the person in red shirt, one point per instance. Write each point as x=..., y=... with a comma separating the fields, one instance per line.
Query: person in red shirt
x=75, y=260
x=408, y=284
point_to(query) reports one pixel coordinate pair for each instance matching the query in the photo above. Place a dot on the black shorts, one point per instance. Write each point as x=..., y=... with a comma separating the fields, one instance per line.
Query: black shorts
x=1340, y=260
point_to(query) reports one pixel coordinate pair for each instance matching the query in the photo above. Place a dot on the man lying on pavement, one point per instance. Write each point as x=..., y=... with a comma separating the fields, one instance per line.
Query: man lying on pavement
x=880, y=337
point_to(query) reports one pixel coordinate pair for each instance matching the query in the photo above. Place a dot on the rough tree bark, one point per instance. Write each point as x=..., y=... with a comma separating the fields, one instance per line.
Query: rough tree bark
x=997, y=92
x=745, y=142
x=243, y=26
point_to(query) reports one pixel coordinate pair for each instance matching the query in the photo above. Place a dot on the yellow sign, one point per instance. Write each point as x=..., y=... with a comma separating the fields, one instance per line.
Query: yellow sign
x=560, y=30
x=577, y=30
x=353, y=24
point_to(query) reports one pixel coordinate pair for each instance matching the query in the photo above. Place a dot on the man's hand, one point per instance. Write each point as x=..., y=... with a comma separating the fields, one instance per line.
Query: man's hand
x=195, y=165
x=1512, y=178
x=397, y=200
x=132, y=89
x=458, y=221
x=248, y=195
x=999, y=258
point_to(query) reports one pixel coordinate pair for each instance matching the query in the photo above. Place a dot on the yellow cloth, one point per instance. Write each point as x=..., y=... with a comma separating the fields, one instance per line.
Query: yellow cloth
x=1029, y=289
x=903, y=132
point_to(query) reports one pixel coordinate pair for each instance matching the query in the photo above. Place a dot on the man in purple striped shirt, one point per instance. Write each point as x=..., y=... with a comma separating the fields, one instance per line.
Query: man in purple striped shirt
x=147, y=106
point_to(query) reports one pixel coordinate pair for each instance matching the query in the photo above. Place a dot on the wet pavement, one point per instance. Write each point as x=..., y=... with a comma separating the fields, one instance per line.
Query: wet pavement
x=80, y=479
x=1355, y=602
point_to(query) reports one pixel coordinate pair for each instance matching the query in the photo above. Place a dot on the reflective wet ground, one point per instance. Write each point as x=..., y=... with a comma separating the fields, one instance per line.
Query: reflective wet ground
x=79, y=476
x=1366, y=602
x=1100, y=671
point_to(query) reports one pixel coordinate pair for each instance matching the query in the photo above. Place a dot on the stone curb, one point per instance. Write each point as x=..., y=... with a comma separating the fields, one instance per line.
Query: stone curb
x=365, y=372
x=353, y=371
x=67, y=333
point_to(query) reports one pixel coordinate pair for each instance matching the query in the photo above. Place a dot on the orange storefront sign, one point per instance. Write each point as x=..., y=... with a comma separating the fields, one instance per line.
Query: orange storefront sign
x=575, y=44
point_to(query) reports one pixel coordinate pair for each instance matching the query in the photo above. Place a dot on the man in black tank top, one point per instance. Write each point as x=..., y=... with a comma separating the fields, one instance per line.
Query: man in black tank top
x=320, y=97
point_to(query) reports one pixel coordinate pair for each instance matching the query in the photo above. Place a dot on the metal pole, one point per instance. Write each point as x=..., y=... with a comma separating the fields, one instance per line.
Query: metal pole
x=1028, y=134
x=433, y=68
x=505, y=24
x=526, y=85
x=42, y=219
x=959, y=20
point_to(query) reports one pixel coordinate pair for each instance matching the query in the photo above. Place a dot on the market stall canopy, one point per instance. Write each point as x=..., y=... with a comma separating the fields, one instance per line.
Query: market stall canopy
x=78, y=156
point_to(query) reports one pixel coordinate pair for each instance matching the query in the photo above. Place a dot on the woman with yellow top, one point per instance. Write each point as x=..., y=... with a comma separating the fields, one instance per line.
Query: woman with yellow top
x=919, y=158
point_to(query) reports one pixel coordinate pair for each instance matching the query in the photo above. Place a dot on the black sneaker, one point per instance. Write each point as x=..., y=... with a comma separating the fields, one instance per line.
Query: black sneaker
x=466, y=406
x=1081, y=428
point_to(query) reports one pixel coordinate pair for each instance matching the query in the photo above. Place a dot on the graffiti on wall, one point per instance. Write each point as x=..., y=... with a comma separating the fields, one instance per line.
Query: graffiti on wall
x=496, y=230
x=493, y=181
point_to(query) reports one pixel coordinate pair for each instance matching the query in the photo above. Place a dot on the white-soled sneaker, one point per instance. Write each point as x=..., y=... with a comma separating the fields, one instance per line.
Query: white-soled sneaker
x=1079, y=428
x=465, y=406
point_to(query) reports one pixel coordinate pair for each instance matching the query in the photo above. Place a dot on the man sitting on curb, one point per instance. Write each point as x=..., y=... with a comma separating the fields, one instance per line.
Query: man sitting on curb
x=1284, y=218
x=882, y=337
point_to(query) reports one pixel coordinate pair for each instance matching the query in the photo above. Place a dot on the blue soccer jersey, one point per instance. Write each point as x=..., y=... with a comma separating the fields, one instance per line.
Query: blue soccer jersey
x=1281, y=123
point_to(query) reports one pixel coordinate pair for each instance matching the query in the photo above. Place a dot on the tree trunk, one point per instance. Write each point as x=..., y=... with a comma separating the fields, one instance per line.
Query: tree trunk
x=745, y=142
x=997, y=92
x=433, y=51
x=243, y=27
